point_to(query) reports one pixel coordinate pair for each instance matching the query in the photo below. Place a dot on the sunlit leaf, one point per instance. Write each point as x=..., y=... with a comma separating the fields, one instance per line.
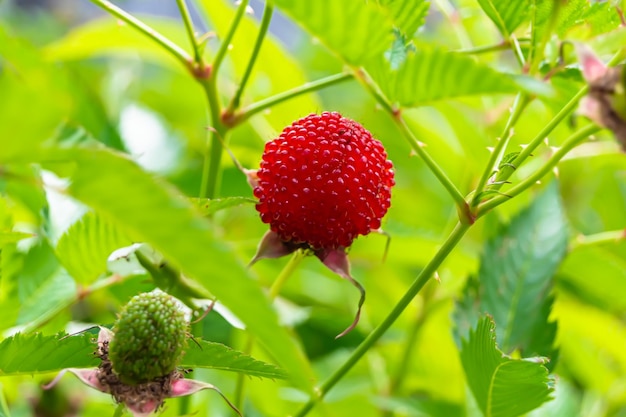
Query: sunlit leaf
x=407, y=15
x=358, y=31
x=12, y=237
x=85, y=247
x=432, y=74
x=506, y=14
x=151, y=211
x=217, y=356
x=34, y=353
x=502, y=386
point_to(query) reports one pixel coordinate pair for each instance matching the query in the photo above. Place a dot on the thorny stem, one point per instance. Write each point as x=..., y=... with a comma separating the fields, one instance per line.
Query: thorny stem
x=167, y=44
x=569, y=144
x=458, y=198
x=184, y=12
x=265, y=24
x=507, y=170
x=259, y=106
x=520, y=103
x=380, y=330
x=278, y=284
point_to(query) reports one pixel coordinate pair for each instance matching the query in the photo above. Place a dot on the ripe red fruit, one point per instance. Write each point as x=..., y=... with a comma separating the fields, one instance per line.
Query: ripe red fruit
x=324, y=181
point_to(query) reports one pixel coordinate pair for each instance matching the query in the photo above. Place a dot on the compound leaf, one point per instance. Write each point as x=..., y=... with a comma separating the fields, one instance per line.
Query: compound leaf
x=502, y=386
x=35, y=353
x=213, y=355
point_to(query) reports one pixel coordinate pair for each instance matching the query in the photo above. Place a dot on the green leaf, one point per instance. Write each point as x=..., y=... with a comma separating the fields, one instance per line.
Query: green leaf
x=152, y=212
x=33, y=89
x=12, y=237
x=107, y=36
x=517, y=268
x=85, y=247
x=506, y=14
x=208, y=207
x=516, y=277
x=502, y=386
x=353, y=29
x=34, y=353
x=432, y=74
x=407, y=15
x=205, y=354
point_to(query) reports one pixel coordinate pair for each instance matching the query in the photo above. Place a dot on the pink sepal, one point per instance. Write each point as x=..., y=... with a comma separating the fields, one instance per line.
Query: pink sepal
x=337, y=261
x=592, y=67
x=182, y=387
x=270, y=247
x=87, y=376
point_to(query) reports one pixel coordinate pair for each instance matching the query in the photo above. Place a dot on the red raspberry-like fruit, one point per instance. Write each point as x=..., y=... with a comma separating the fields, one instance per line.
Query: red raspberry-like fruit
x=324, y=181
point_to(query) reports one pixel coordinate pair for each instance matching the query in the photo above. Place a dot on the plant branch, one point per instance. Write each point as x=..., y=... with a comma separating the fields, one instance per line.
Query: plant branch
x=521, y=101
x=259, y=106
x=380, y=330
x=167, y=44
x=569, y=144
x=184, y=12
x=501, y=46
x=612, y=236
x=265, y=24
x=221, y=52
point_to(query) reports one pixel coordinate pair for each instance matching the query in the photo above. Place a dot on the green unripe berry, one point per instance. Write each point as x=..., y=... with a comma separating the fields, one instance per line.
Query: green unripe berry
x=149, y=337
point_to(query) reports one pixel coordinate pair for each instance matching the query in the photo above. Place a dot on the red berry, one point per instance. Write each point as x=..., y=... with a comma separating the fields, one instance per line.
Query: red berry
x=324, y=181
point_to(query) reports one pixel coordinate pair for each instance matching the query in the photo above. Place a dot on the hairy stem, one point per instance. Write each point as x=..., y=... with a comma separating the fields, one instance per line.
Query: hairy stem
x=265, y=24
x=380, y=330
x=569, y=144
x=167, y=44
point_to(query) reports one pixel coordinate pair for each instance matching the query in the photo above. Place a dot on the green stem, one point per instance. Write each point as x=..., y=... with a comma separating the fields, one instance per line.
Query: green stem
x=435, y=169
x=521, y=101
x=612, y=236
x=221, y=52
x=167, y=44
x=278, y=284
x=265, y=24
x=535, y=54
x=504, y=45
x=506, y=171
x=184, y=12
x=211, y=169
x=569, y=144
x=380, y=330
x=439, y=173
x=259, y=106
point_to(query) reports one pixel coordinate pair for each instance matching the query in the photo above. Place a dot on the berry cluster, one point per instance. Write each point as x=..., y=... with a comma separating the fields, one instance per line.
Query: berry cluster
x=324, y=181
x=150, y=335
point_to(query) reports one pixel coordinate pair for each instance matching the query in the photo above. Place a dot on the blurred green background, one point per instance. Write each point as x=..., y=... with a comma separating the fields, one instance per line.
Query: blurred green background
x=68, y=61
